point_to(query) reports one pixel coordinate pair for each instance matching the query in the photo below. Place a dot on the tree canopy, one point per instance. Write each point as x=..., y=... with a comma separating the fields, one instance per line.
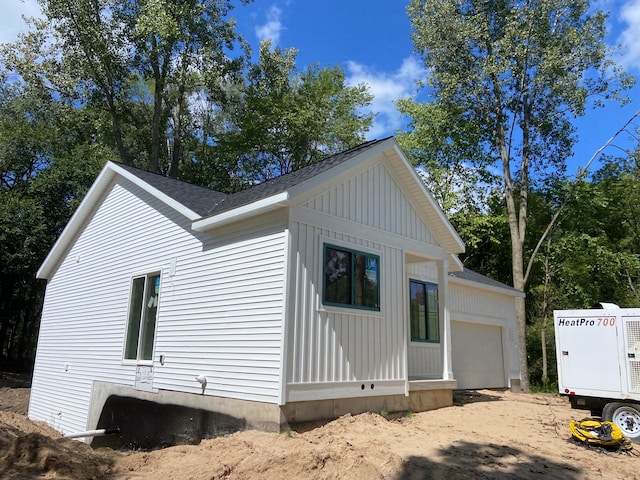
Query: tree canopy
x=510, y=75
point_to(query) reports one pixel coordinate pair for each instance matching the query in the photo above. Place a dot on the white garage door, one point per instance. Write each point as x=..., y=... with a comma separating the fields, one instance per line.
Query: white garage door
x=476, y=352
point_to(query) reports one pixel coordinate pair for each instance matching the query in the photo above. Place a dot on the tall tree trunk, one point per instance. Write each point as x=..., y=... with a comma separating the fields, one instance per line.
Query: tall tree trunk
x=177, y=117
x=117, y=131
x=158, y=93
x=517, y=215
x=154, y=158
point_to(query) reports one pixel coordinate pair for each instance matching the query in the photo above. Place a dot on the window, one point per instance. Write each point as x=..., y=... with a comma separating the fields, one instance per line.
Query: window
x=141, y=324
x=425, y=320
x=351, y=278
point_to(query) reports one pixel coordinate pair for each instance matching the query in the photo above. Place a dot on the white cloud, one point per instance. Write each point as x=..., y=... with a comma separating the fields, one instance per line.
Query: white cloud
x=11, y=22
x=386, y=89
x=272, y=28
x=630, y=16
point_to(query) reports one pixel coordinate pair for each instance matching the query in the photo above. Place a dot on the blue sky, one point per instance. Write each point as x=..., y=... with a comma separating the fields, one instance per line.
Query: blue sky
x=370, y=40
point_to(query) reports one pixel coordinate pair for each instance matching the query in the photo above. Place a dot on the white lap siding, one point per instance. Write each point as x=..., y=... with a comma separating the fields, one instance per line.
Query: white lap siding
x=219, y=311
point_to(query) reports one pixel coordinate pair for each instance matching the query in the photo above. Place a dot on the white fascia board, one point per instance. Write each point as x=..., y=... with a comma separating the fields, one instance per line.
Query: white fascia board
x=434, y=205
x=306, y=188
x=244, y=211
x=489, y=288
x=170, y=202
x=76, y=222
x=455, y=264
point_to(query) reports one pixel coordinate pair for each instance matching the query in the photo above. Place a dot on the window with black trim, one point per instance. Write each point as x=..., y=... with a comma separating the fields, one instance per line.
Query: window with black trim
x=424, y=312
x=141, y=323
x=351, y=278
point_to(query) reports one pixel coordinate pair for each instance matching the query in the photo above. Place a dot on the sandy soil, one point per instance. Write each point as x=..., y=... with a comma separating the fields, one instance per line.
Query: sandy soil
x=487, y=434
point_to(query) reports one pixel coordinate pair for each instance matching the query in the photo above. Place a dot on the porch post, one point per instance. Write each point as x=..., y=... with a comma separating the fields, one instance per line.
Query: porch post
x=445, y=318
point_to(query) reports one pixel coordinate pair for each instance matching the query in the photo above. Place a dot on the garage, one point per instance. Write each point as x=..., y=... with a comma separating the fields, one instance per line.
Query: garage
x=478, y=360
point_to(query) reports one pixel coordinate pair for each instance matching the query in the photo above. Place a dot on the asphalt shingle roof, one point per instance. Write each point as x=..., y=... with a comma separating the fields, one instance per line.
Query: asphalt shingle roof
x=207, y=202
x=199, y=199
x=284, y=182
x=472, y=276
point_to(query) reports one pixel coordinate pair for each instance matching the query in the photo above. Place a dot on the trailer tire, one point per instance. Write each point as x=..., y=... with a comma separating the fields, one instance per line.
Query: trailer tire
x=626, y=416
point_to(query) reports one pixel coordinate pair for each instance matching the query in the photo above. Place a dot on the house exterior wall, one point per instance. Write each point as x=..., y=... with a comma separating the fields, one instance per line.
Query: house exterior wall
x=424, y=358
x=339, y=352
x=219, y=311
x=480, y=306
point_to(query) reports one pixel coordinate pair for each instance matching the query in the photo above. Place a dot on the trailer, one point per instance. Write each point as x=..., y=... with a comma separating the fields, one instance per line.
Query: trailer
x=598, y=356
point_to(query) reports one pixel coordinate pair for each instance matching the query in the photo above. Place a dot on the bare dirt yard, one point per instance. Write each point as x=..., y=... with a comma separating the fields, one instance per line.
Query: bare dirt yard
x=487, y=434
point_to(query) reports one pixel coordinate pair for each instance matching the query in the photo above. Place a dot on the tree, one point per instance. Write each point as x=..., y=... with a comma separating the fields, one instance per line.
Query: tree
x=515, y=72
x=138, y=60
x=592, y=254
x=48, y=159
x=287, y=118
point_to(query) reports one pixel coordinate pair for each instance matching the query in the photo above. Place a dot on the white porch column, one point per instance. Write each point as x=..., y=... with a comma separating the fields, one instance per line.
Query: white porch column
x=445, y=317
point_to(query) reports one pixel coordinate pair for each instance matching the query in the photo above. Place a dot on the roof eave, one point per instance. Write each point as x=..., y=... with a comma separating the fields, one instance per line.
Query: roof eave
x=242, y=212
x=163, y=197
x=78, y=219
x=88, y=205
x=506, y=290
x=450, y=240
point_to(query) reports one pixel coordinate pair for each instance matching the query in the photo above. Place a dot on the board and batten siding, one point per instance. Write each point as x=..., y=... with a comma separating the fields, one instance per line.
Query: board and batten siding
x=425, y=358
x=219, y=311
x=344, y=346
x=332, y=344
x=373, y=198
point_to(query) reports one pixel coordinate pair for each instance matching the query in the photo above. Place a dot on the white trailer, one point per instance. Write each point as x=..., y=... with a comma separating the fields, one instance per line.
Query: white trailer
x=598, y=354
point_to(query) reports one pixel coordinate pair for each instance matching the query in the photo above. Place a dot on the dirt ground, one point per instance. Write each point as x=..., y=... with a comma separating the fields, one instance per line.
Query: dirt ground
x=486, y=435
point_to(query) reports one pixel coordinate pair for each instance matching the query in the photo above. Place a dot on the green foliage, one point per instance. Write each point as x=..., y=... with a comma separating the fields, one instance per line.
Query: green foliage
x=510, y=76
x=535, y=356
x=288, y=118
x=48, y=158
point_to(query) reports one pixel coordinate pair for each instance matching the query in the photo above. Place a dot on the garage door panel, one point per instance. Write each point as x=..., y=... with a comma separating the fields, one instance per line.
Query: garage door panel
x=477, y=356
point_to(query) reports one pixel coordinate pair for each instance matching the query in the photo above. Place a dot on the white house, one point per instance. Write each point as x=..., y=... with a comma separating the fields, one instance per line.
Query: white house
x=332, y=289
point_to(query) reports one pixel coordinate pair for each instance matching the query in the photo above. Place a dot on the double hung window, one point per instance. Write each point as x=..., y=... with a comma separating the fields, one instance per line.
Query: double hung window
x=423, y=308
x=351, y=278
x=141, y=323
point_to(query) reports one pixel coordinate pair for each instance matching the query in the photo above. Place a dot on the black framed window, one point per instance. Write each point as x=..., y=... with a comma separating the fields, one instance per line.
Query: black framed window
x=141, y=323
x=351, y=278
x=424, y=312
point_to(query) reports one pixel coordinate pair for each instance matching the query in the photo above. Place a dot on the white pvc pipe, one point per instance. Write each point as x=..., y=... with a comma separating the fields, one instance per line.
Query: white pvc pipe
x=93, y=433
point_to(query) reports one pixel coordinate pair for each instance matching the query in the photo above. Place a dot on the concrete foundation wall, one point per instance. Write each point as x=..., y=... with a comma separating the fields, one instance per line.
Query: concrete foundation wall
x=150, y=420
x=417, y=401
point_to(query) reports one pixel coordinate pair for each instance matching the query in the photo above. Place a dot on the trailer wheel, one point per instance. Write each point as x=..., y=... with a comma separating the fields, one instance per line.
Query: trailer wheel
x=626, y=416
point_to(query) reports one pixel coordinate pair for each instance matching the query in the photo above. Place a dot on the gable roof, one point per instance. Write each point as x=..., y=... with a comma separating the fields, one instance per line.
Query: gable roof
x=199, y=199
x=207, y=208
x=285, y=182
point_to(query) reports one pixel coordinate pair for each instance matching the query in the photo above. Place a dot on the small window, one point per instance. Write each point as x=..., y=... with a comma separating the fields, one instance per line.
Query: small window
x=351, y=278
x=425, y=319
x=141, y=324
